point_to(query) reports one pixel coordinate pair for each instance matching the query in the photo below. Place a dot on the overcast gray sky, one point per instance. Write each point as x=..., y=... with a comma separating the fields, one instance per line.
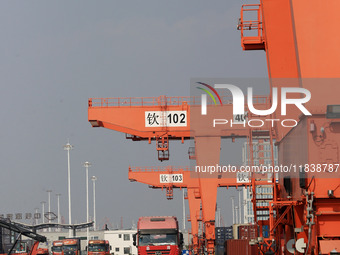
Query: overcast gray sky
x=57, y=54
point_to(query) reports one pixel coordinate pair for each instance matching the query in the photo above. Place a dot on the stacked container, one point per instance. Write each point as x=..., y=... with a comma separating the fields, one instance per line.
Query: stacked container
x=240, y=247
x=222, y=234
x=245, y=231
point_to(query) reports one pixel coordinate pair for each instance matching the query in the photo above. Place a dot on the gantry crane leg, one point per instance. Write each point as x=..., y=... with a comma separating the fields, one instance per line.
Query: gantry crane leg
x=194, y=207
x=208, y=154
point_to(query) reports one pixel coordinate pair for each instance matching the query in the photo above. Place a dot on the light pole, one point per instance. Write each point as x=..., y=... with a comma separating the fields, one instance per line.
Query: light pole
x=236, y=209
x=87, y=165
x=36, y=216
x=94, y=178
x=244, y=205
x=218, y=223
x=233, y=208
x=59, y=220
x=240, y=205
x=69, y=147
x=43, y=212
x=49, y=207
x=183, y=210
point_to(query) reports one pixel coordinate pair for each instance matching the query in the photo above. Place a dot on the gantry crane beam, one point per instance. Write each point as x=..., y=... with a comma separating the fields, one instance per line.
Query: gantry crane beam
x=130, y=115
x=182, y=177
x=148, y=118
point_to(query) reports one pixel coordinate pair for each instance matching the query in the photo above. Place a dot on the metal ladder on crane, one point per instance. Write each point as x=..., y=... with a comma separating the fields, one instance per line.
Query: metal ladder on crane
x=263, y=187
x=162, y=142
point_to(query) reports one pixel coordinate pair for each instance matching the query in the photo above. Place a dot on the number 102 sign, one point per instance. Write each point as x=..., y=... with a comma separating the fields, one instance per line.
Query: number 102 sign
x=166, y=119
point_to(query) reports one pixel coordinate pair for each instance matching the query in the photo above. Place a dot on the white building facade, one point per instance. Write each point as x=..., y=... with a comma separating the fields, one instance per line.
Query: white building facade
x=121, y=241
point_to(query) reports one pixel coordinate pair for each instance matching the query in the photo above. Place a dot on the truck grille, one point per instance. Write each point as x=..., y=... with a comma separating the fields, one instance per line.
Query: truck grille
x=158, y=252
x=69, y=253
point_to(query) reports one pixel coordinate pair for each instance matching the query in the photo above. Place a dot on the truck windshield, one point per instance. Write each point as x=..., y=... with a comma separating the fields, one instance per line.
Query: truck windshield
x=157, y=239
x=97, y=247
x=56, y=248
x=70, y=247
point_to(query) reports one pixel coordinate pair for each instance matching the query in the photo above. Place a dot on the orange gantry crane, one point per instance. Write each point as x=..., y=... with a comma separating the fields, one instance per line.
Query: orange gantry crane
x=303, y=51
x=171, y=177
x=148, y=119
x=301, y=45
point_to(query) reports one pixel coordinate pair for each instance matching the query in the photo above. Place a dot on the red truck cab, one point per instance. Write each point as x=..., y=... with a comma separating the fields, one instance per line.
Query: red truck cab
x=158, y=236
x=57, y=247
x=42, y=251
x=107, y=247
x=98, y=247
x=71, y=246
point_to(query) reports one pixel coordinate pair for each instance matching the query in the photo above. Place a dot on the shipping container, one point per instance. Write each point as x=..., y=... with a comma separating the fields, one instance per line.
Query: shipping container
x=245, y=231
x=222, y=234
x=248, y=232
x=240, y=247
x=235, y=231
x=222, y=240
x=265, y=231
x=223, y=229
x=219, y=250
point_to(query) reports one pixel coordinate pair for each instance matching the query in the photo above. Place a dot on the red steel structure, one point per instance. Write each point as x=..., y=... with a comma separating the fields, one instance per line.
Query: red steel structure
x=302, y=51
x=301, y=45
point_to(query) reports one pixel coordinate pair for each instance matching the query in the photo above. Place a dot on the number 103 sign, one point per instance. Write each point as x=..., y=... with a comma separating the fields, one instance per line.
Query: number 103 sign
x=171, y=178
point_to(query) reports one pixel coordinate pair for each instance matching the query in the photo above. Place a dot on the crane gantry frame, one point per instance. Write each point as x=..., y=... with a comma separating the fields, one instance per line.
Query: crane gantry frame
x=112, y=113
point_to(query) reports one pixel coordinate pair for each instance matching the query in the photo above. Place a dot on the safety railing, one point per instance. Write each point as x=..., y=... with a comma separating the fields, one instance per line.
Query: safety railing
x=138, y=101
x=151, y=169
x=251, y=27
x=162, y=101
x=254, y=12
